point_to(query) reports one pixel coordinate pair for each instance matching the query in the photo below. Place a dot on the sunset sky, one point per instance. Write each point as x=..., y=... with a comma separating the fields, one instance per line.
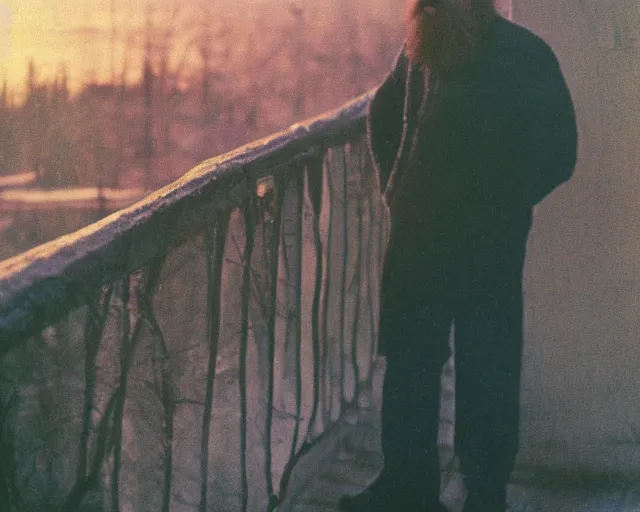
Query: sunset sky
x=56, y=34
x=77, y=33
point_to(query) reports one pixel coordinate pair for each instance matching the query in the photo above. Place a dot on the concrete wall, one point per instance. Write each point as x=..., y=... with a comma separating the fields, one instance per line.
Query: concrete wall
x=581, y=385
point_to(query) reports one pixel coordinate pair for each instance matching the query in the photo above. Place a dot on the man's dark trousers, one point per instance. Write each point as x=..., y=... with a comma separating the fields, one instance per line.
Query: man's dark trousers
x=473, y=281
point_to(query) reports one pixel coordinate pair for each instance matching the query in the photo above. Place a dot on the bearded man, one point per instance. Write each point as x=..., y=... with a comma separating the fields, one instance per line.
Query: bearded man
x=472, y=128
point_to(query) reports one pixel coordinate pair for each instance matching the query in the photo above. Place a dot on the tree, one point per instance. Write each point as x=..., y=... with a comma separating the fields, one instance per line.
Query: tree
x=35, y=121
x=9, y=146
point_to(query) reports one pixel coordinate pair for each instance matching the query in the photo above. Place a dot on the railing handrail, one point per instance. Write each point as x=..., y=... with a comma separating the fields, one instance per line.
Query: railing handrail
x=39, y=286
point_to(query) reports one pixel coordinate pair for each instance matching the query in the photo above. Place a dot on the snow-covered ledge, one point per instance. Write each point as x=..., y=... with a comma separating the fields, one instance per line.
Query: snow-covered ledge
x=81, y=198
x=41, y=285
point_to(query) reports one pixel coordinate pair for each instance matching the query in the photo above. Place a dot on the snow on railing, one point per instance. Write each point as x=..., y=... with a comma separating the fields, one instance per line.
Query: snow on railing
x=189, y=350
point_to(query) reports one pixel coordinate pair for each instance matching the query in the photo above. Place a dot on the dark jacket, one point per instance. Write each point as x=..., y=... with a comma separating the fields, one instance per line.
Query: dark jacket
x=470, y=159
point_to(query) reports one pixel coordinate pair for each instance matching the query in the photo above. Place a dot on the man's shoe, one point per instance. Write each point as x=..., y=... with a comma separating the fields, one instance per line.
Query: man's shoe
x=379, y=497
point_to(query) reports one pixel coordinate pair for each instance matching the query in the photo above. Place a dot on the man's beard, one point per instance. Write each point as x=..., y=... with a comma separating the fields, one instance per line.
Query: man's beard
x=444, y=41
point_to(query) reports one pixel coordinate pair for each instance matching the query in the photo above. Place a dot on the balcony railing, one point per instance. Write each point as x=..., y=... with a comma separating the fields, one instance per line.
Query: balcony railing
x=187, y=352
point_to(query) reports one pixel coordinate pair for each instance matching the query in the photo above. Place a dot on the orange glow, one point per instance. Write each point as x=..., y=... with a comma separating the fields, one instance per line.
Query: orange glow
x=72, y=34
x=77, y=34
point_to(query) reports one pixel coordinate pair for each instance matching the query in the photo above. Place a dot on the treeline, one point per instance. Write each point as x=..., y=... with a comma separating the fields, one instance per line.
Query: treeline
x=63, y=139
x=203, y=84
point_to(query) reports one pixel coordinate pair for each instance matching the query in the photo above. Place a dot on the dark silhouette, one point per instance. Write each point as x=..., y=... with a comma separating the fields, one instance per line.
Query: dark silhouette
x=472, y=128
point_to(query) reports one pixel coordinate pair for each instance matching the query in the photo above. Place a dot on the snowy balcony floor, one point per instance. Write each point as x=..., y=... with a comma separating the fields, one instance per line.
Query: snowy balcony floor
x=357, y=460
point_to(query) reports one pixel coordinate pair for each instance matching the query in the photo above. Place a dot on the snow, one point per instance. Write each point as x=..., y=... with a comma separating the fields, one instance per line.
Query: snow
x=70, y=198
x=14, y=180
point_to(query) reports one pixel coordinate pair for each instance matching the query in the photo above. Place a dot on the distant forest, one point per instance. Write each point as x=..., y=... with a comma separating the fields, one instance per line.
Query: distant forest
x=203, y=85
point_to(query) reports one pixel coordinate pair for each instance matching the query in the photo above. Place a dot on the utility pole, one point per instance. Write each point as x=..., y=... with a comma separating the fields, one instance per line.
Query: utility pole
x=299, y=14
x=147, y=86
x=113, y=41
